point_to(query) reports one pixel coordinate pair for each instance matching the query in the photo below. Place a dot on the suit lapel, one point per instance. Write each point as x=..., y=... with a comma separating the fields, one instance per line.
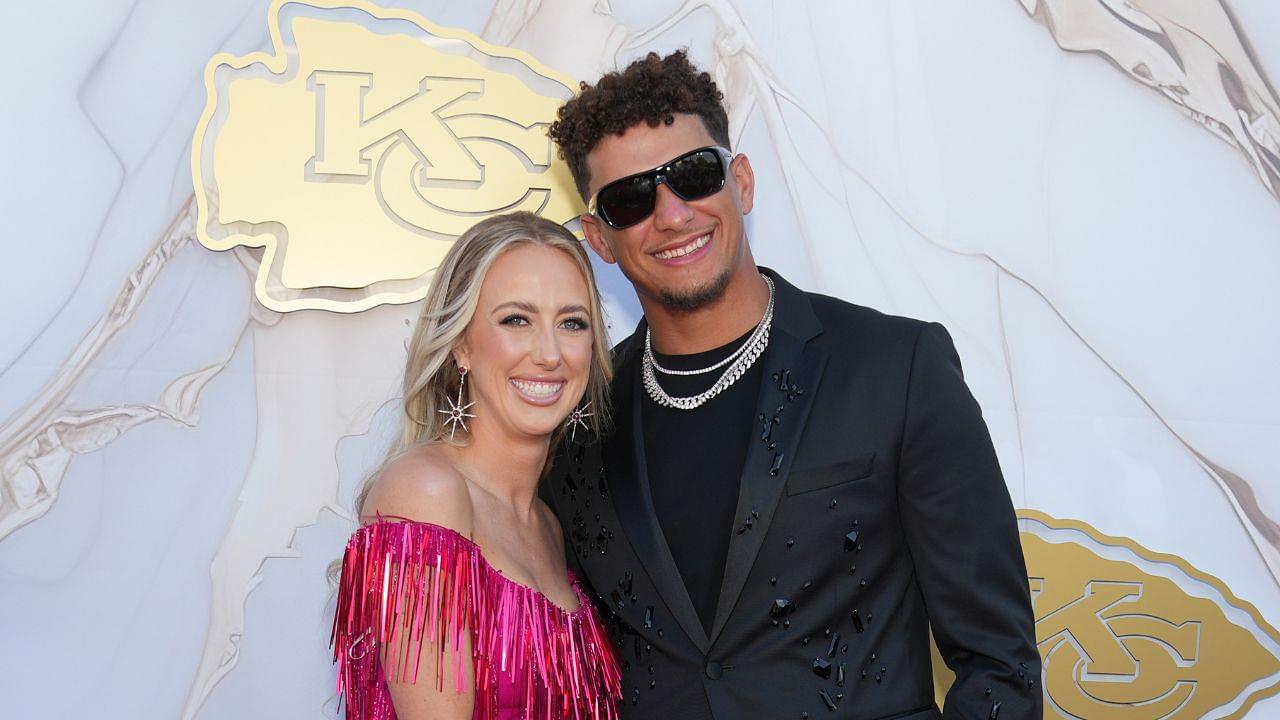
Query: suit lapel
x=628, y=475
x=789, y=361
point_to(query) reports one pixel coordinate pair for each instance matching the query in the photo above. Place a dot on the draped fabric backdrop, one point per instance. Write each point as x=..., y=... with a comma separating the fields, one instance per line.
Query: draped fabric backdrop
x=202, y=333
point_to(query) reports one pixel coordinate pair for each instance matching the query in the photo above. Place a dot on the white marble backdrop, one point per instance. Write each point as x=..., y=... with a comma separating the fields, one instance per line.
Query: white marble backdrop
x=1102, y=237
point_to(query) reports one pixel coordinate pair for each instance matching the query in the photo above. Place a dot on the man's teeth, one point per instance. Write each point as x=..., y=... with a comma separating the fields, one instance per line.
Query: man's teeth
x=698, y=242
x=538, y=389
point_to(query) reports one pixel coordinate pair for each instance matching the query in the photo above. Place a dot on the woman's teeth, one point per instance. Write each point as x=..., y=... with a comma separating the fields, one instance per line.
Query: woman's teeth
x=536, y=388
x=698, y=242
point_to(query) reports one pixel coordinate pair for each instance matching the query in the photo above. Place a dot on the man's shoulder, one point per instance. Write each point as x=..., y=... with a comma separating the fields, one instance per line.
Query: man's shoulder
x=842, y=320
x=625, y=346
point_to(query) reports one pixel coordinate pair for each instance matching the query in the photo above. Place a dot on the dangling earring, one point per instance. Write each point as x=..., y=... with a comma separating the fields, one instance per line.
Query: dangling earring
x=577, y=419
x=457, y=412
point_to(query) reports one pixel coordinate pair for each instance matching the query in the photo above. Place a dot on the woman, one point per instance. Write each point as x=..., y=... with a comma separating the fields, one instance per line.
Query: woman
x=460, y=564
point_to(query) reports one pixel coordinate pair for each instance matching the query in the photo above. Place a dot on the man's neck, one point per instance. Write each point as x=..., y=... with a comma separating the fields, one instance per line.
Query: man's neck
x=720, y=322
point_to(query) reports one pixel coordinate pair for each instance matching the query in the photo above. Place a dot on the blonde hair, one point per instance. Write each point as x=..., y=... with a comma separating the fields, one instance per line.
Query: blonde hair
x=431, y=376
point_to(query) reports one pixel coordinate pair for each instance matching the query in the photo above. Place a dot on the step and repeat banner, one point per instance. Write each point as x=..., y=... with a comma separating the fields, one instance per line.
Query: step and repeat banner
x=221, y=217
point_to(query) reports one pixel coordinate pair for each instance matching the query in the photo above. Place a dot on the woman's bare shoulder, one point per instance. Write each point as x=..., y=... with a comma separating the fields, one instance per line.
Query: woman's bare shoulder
x=422, y=484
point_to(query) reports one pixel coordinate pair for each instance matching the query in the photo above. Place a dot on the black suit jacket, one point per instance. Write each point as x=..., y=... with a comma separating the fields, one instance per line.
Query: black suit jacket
x=871, y=506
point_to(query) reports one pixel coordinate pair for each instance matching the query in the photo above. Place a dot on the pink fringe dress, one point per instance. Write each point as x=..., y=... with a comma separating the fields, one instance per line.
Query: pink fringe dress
x=409, y=586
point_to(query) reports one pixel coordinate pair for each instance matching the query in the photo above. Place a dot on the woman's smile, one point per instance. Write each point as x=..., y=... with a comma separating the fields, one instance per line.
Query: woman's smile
x=538, y=391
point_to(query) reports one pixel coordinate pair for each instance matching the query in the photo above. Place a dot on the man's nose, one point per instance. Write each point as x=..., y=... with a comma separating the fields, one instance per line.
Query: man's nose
x=669, y=211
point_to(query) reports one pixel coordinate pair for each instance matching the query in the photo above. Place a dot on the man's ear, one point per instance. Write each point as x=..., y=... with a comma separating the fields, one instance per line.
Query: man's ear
x=744, y=178
x=592, y=229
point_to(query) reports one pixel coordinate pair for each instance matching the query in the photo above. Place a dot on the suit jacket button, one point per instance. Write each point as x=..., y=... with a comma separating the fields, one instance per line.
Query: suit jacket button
x=714, y=671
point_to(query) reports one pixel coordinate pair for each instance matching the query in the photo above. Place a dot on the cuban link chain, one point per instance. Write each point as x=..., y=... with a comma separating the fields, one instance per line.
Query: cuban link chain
x=741, y=360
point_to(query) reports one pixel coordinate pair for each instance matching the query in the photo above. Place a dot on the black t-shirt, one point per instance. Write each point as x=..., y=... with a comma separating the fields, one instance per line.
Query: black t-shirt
x=695, y=460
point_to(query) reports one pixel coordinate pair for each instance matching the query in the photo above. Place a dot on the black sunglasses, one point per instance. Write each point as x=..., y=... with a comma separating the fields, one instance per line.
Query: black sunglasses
x=692, y=176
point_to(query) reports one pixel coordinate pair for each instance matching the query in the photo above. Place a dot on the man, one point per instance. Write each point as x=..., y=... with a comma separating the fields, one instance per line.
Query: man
x=796, y=488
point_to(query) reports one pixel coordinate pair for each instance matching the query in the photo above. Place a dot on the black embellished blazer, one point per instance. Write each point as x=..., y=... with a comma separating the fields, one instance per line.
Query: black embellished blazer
x=871, y=507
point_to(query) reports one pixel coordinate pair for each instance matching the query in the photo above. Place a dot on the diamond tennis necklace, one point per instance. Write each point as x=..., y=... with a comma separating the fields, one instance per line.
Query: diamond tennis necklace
x=739, y=362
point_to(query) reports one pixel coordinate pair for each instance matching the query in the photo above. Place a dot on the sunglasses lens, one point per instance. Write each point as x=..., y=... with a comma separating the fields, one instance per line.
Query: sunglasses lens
x=696, y=175
x=627, y=202
x=692, y=177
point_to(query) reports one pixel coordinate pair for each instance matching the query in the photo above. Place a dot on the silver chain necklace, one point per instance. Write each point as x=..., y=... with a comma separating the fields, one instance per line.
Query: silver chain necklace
x=739, y=362
x=760, y=329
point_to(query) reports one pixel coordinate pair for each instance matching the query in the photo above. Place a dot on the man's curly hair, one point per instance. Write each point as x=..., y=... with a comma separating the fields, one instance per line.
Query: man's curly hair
x=650, y=90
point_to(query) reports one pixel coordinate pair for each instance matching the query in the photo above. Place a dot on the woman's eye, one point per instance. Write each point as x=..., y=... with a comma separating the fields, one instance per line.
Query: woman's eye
x=515, y=320
x=576, y=324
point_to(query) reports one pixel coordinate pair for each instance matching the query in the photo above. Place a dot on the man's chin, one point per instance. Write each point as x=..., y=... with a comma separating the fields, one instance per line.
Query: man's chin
x=687, y=300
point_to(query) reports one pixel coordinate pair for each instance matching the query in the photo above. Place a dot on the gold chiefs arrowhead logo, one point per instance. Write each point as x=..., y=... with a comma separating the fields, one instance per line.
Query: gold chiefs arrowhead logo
x=367, y=142
x=1130, y=634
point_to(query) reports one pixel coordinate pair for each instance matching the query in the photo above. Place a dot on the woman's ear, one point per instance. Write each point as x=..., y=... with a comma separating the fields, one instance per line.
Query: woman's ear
x=462, y=355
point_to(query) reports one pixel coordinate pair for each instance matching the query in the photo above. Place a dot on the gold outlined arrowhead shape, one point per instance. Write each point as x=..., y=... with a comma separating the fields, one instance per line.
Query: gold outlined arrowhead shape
x=1126, y=633
x=363, y=145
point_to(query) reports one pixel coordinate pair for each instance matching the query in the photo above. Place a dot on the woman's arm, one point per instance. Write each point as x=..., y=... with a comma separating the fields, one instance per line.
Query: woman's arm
x=425, y=487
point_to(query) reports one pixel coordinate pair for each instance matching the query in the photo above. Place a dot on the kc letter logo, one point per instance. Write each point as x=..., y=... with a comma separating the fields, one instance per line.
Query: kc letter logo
x=359, y=150
x=1128, y=634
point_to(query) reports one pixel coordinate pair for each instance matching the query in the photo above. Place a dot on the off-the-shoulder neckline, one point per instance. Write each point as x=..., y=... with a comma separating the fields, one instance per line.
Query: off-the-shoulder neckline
x=573, y=578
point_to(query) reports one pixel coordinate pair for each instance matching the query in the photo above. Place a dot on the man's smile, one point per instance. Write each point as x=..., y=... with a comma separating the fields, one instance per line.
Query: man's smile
x=685, y=248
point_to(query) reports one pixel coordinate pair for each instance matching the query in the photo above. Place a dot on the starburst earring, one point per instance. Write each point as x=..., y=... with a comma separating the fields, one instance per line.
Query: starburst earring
x=457, y=412
x=577, y=419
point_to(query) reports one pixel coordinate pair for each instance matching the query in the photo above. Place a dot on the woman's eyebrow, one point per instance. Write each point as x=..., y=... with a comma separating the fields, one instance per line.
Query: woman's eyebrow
x=531, y=308
x=518, y=304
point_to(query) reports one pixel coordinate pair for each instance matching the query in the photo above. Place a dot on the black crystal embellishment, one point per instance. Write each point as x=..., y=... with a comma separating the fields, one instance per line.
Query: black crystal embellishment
x=822, y=668
x=781, y=607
